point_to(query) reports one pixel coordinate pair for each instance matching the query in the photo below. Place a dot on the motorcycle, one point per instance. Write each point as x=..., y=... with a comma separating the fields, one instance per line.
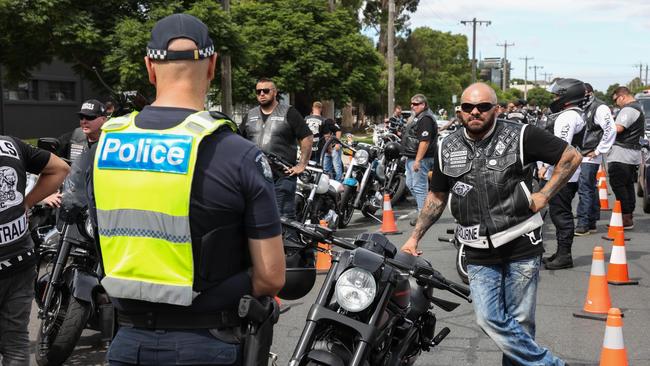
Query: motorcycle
x=461, y=261
x=362, y=183
x=374, y=305
x=317, y=196
x=394, y=177
x=68, y=292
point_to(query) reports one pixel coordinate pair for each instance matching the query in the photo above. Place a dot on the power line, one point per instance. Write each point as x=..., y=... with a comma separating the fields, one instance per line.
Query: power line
x=640, y=66
x=535, y=67
x=505, y=46
x=474, y=22
x=546, y=76
x=526, y=74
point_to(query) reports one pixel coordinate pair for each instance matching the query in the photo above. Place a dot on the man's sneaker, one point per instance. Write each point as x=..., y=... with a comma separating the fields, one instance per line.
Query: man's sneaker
x=593, y=228
x=628, y=222
x=582, y=231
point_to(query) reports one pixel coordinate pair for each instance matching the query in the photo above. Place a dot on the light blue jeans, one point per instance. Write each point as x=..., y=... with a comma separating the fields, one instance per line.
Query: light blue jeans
x=334, y=162
x=417, y=182
x=504, y=298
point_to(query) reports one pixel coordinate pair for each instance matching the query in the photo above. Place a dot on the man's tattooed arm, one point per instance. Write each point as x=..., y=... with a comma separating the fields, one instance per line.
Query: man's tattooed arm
x=434, y=205
x=564, y=169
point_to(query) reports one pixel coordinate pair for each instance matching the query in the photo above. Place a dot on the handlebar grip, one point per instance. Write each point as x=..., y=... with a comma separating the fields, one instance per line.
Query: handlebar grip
x=460, y=288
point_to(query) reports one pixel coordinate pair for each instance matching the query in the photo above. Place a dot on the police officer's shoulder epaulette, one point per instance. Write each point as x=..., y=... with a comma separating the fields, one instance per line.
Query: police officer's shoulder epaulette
x=118, y=123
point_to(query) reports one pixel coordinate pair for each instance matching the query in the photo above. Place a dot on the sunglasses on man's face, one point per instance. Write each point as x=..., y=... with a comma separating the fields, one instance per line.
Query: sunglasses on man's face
x=416, y=103
x=265, y=91
x=88, y=118
x=481, y=107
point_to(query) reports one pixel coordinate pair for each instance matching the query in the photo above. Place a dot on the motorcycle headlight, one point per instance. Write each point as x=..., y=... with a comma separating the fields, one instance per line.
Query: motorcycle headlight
x=355, y=290
x=361, y=157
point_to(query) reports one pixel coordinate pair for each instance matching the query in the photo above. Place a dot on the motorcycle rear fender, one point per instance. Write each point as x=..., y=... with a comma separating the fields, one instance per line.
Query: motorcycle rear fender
x=350, y=182
x=81, y=284
x=325, y=358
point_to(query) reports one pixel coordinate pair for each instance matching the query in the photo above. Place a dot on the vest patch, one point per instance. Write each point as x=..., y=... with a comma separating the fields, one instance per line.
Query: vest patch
x=458, y=159
x=461, y=189
x=146, y=152
x=264, y=167
x=9, y=195
x=8, y=149
x=13, y=230
x=467, y=233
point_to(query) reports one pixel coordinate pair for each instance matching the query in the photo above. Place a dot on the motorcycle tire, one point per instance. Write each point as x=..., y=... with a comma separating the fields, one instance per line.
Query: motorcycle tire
x=347, y=210
x=397, y=190
x=67, y=333
x=461, y=263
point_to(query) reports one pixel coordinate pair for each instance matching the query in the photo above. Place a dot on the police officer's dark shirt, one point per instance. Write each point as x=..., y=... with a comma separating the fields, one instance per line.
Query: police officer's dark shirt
x=32, y=160
x=539, y=145
x=228, y=188
x=427, y=130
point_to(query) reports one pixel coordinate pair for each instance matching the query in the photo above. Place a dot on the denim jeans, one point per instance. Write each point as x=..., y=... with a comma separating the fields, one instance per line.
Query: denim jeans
x=588, y=205
x=133, y=346
x=285, y=195
x=417, y=182
x=334, y=163
x=622, y=178
x=504, y=298
x=16, y=295
x=560, y=210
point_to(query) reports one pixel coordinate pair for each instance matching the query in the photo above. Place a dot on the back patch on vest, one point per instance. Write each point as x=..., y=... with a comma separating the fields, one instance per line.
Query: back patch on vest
x=145, y=151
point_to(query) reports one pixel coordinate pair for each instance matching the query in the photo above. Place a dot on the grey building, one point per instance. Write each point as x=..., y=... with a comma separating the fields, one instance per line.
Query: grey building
x=45, y=105
x=491, y=69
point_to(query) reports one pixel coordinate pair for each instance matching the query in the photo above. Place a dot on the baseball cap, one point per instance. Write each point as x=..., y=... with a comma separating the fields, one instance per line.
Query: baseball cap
x=92, y=108
x=179, y=26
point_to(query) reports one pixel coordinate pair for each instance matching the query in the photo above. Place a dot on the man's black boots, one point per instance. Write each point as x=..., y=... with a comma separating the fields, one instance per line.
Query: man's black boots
x=562, y=259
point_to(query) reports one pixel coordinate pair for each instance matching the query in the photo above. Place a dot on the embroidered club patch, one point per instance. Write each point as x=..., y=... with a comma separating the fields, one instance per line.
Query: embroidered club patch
x=461, y=189
x=501, y=147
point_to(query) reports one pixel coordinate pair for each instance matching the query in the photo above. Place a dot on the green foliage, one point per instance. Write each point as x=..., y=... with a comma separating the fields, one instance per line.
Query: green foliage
x=540, y=97
x=610, y=90
x=442, y=60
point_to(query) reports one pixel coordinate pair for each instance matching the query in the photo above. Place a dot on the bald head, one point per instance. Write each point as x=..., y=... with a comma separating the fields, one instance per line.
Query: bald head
x=479, y=93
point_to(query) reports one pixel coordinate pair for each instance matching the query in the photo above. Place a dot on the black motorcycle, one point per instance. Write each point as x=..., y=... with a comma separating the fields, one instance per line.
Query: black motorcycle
x=362, y=183
x=394, y=177
x=68, y=292
x=374, y=306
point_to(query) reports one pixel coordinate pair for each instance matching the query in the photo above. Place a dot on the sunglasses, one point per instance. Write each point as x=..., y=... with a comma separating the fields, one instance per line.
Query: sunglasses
x=481, y=107
x=265, y=91
x=88, y=118
x=416, y=103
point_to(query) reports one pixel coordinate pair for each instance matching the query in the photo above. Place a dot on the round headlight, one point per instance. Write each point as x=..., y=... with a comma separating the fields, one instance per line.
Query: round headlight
x=355, y=289
x=361, y=157
x=323, y=184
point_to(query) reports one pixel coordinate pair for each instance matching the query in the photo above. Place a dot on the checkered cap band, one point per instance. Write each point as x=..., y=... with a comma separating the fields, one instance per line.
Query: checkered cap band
x=155, y=54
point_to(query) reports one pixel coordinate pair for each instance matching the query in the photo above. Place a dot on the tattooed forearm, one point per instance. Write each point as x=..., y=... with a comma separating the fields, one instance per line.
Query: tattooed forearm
x=564, y=169
x=305, y=149
x=434, y=205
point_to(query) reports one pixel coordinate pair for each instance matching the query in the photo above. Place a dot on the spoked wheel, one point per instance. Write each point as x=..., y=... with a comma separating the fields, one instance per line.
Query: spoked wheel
x=347, y=208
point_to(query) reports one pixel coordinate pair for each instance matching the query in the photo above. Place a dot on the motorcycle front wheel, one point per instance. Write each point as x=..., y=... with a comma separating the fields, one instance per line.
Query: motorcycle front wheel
x=61, y=327
x=461, y=263
x=397, y=189
x=347, y=208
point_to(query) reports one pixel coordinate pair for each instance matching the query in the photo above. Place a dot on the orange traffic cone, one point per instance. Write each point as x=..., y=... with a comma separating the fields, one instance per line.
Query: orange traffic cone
x=613, y=353
x=617, y=273
x=388, y=225
x=602, y=196
x=615, y=222
x=323, y=258
x=601, y=176
x=597, y=301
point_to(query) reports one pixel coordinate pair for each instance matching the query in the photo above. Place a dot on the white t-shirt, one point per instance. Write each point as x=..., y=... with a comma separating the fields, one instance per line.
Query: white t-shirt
x=567, y=124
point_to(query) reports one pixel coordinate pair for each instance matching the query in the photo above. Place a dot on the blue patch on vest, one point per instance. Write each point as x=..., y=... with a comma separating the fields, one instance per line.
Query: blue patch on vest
x=145, y=151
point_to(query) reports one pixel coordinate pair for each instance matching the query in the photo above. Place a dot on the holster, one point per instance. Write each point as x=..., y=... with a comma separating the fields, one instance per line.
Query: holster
x=259, y=316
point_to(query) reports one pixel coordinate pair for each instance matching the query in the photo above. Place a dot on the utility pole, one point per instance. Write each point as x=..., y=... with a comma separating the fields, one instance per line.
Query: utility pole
x=391, y=55
x=640, y=65
x=474, y=23
x=546, y=76
x=526, y=74
x=505, y=46
x=226, y=75
x=646, y=75
x=535, y=67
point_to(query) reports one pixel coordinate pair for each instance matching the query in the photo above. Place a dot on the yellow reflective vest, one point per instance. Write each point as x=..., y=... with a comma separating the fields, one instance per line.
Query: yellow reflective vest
x=142, y=182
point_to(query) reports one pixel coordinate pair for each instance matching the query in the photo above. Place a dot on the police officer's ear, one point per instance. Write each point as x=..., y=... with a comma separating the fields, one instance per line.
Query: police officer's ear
x=150, y=70
x=212, y=66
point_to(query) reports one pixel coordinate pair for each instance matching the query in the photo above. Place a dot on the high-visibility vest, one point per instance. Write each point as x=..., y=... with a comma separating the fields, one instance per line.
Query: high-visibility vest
x=142, y=181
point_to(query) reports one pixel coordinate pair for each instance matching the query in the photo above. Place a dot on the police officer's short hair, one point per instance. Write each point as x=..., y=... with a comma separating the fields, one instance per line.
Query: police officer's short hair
x=420, y=98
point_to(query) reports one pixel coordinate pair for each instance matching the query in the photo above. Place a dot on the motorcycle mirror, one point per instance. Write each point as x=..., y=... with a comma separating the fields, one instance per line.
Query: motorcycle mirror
x=50, y=144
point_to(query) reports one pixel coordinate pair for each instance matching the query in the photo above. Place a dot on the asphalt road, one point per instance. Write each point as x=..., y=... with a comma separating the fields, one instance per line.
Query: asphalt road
x=560, y=294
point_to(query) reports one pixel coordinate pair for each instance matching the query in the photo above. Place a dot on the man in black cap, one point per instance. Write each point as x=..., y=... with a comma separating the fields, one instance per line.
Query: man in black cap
x=186, y=213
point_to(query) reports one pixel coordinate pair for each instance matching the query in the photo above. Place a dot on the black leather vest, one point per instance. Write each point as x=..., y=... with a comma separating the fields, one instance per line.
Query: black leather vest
x=14, y=237
x=629, y=138
x=592, y=133
x=410, y=142
x=517, y=116
x=275, y=135
x=78, y=144
x=576, y=141
x=490, y=186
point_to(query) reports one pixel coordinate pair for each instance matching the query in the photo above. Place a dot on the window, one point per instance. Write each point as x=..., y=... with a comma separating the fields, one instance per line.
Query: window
x=22, y=91
x=60, y=90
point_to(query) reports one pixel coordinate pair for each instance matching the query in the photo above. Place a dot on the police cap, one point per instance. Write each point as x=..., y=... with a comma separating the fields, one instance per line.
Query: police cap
x=179, y=26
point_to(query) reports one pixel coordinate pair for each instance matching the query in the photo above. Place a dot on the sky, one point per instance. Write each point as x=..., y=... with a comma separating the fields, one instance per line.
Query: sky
x=597, y=41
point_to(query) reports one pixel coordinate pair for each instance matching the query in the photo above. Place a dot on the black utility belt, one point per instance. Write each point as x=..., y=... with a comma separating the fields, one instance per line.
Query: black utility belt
x=17, y=262
x=174, y=320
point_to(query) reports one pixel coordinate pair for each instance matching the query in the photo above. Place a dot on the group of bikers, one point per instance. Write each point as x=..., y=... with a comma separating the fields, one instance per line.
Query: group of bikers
x=187, y=210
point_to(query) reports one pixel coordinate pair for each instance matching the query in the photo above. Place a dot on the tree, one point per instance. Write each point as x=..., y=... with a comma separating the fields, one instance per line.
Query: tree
x=540, y=97
x=375, y=13
x=442, y=59
x=611, y=88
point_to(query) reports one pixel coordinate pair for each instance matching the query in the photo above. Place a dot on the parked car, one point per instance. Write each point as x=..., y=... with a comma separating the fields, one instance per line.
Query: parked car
x=643, y=187
x=644, y=98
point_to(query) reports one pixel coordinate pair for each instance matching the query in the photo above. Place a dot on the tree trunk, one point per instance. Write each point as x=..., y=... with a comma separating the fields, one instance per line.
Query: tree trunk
x=328, y=109
x=347, y=122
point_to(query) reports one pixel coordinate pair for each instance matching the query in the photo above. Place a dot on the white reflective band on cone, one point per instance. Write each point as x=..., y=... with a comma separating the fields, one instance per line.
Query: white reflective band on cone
x=613, y=338
x=617, y=219
x=602, y=194
x=598, y=267
x=387, y=206
x=618, y=255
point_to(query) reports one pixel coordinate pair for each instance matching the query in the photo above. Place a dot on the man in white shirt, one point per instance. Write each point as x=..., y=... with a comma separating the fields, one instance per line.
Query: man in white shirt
x=598, y=138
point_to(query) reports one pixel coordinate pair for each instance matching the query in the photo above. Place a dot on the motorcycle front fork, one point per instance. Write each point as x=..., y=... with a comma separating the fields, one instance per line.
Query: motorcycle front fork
x=57, y=273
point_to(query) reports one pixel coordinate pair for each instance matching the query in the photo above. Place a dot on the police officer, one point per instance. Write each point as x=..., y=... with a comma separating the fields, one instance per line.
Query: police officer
x=482, y=166
x=278, y=128
x=419, y=142
x=567, y=123
x=186, y=213
x=17, y=258
x=598, y=138
x=624, y=157
x=75, y=143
